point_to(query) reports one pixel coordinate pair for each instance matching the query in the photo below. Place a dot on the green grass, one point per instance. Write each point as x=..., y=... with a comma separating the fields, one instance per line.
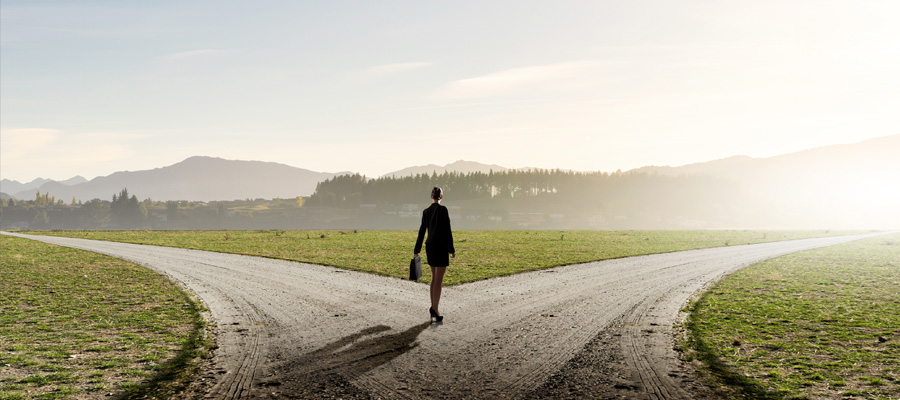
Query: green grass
x=480, y=254
x=818, y=324
x=74, y=322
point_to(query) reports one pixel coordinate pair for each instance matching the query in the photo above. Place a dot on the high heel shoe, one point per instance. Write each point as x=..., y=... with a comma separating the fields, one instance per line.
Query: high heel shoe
x=435, y=315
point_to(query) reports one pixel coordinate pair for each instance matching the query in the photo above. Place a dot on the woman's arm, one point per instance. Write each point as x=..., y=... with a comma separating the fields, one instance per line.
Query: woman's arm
x=421, y=236
x=450, y=236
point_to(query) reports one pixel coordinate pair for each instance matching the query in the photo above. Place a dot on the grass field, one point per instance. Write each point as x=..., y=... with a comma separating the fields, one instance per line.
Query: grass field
x=813, y=325
x=75, y=324
x=480, y=254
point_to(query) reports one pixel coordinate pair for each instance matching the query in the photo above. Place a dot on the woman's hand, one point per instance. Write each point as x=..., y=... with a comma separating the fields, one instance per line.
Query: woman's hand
x=452, y=255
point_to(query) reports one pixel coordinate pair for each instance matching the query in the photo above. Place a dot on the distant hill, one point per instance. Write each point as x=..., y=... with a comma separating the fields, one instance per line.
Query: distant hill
x=823, y=163
x=74, y=181
x=460, y=166
x=11, y=186
x=841, y=184
x=8, y=186
x=849, y=185
x=195, y=179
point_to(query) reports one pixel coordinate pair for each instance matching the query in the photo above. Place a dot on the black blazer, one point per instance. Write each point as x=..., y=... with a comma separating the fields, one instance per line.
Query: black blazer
x=436, y=219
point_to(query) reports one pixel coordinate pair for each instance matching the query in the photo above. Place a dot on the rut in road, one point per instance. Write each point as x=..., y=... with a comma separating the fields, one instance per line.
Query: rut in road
x=294, y=330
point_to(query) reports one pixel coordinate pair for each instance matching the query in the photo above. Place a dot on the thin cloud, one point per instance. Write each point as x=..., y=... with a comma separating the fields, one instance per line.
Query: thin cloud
x=389, y=69
x=511, y=80
x=494, y=103
x=193, y=54
x=36, y=152
x=17, y=144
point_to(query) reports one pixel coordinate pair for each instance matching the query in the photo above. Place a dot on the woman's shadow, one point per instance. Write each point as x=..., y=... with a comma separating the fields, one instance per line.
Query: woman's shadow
x=331, y=367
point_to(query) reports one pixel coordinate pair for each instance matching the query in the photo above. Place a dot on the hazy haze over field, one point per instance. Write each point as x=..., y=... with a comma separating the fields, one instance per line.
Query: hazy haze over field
x=362, y=86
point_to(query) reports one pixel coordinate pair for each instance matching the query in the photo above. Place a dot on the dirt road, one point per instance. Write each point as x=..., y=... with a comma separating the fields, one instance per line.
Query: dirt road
x=293, y=330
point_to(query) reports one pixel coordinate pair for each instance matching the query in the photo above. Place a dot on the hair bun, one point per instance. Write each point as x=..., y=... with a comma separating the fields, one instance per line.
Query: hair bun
x=436, y=193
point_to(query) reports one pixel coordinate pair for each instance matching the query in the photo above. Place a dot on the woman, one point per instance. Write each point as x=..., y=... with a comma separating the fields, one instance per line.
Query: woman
x=439, y=244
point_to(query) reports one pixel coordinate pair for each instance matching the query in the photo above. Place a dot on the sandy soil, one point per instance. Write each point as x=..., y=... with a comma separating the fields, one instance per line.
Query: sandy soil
x=595, y=330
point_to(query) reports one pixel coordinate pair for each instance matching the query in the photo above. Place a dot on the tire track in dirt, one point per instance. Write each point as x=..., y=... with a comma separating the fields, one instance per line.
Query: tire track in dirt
x=294, y=330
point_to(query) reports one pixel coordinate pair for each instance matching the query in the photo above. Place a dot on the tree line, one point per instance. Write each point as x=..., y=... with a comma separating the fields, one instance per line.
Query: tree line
x=533, y=199
x=125, y=211
x=582, y=194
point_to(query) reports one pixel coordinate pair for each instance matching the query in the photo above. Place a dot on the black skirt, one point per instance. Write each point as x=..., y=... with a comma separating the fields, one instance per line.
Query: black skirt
x=438, y=256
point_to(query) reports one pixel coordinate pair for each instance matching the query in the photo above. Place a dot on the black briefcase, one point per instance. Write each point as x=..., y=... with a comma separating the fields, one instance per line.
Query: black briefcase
x=415, y=268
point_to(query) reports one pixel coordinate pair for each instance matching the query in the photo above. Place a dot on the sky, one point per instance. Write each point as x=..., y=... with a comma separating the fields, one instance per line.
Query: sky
x=94, y=87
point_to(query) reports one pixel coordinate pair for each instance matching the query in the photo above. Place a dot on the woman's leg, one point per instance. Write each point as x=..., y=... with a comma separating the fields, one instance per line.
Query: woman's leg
x=437, y=280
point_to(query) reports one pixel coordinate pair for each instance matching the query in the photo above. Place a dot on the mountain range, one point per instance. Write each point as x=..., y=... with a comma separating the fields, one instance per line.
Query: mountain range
x=9, y=186
x=859, y=173
x=863, y=158
x=841, y=185
x=194, y=179
x=461, y=166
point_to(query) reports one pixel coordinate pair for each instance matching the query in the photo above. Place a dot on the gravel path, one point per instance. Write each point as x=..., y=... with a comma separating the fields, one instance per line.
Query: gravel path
x=596, y=330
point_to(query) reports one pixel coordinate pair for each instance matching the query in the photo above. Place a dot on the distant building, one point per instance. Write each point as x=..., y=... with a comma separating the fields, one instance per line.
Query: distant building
x=597, y=221
x=527, y=219
x=410, y=211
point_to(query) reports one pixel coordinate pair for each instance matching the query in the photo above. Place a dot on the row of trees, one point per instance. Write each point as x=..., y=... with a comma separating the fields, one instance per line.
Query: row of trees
x=493, y=200
x=589, y=193
x=125, y=211
x=348, y=190
x=46, y=211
